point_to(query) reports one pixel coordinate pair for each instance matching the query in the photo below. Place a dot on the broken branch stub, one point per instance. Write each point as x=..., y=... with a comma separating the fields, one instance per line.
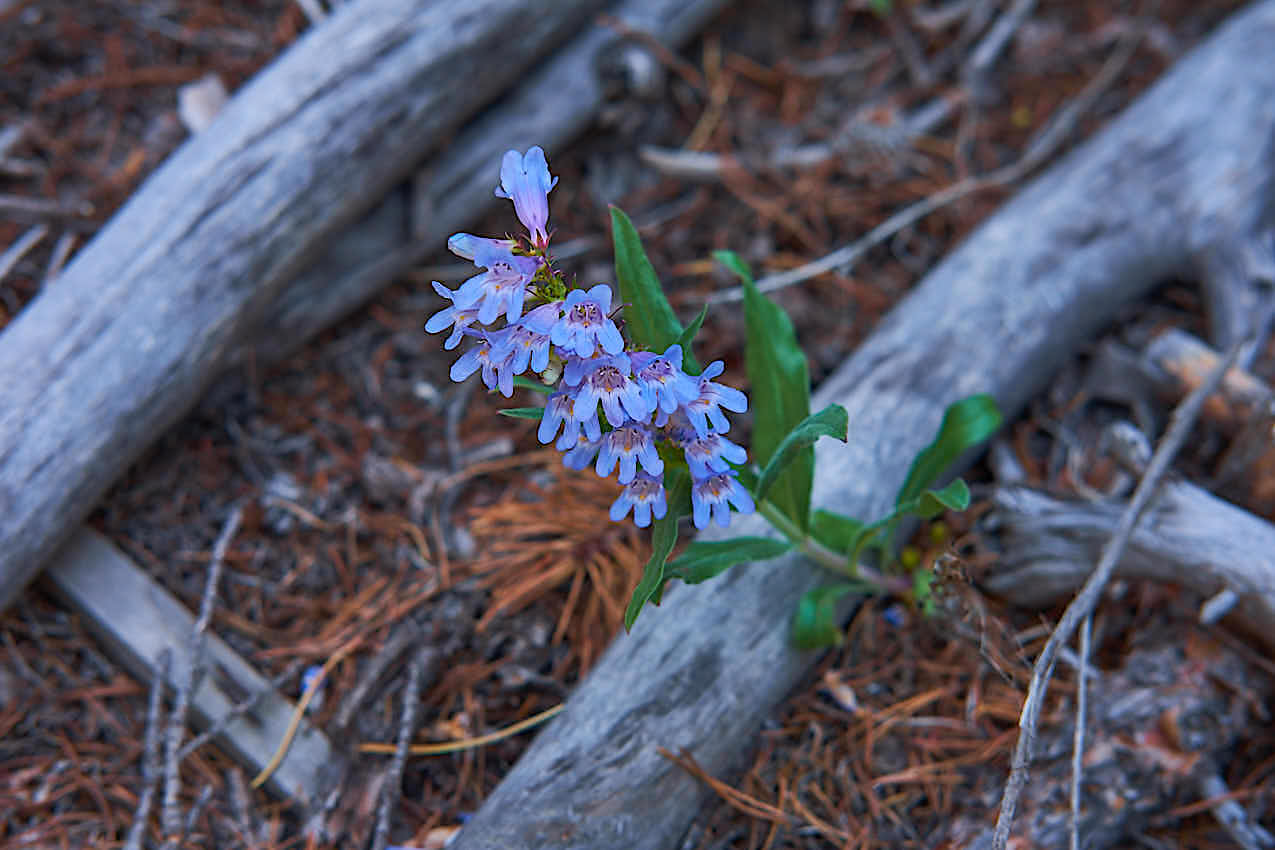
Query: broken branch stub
x=1139, y=202
x=135, y=327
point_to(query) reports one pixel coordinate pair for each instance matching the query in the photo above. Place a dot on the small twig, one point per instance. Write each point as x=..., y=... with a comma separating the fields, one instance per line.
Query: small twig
x=21, y=205
x=1078, y=739
x=993, y=44
x=1040, y=148
x=171, y=818
x=150, y=754
x=1087, y=599
x=14, y=254
x=403, y=637
x=1232, y=816
x=61, y=253
x=196, y=809
x=240, y=709
x=909, y=51
x=393, y=787
x=314, y=12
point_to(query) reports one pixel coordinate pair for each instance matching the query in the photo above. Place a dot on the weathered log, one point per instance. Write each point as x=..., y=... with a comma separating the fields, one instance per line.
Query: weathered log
x=556, y=102
x=98, y=365
x=1186, y=169
x=1187, y=536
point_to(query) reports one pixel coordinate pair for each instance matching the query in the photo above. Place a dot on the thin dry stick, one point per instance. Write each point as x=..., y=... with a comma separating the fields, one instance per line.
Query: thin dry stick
x=171, y=818
x=401, y=639
x=240, y=709
x=989, y=49
x=1078, y=740
x=1040, y=148
x=393, y=787
x=19, y=249
x=1087, y=599
x=150, y=754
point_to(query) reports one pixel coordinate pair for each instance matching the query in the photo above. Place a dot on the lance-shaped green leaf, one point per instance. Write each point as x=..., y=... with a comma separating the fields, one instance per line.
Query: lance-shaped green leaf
x=966, y=423
x=780, y=388
x=953, y=497
x=832, y=421
x=677, y=485
x=689, y=364
x=523, y=412
x=649, y=320
x=529, y=384
x=702, y=561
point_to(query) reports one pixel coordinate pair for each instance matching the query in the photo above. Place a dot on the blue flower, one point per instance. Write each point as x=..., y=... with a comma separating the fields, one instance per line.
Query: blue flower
x=709, y=496
x=609, y=382
x=663, y=382
x=585, y=324
x=525, y=180
x=459, y=318
x=467, y=245
x=529, y=339
x=560, y=412
x=645, y=495
x=629, y=445
x=581, y=454
x=713, y=396
x=500, y=289
x=491, y=354
x=710, y=453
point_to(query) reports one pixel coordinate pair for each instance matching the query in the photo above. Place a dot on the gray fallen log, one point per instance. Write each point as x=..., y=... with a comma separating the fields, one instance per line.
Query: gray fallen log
x=555, y=103
x=1182, y=171
x=1187, y=536
x=135, y=327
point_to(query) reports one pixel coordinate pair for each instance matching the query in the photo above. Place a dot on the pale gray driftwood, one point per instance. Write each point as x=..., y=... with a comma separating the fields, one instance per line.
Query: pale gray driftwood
x=138, y=620
x=557, y=101
x=1188, y=536
x=133, y=329
x=1188, y=165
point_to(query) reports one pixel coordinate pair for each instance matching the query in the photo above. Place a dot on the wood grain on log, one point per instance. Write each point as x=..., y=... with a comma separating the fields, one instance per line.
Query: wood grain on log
x=1183, y=170
x=100, y=363
x=1188, y=537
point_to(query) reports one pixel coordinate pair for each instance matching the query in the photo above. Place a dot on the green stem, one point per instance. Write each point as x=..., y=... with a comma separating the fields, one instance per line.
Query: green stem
x=827, y=558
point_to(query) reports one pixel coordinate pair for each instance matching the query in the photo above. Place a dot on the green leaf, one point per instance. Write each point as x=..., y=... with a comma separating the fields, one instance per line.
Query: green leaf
x=832, y=421
x=650, y=321
x=836, y=531
x=953, y=497
x=780, y=382
x=677, y=485
x=814, y=625
x=689, y=364
x=966, y=423
x=529, y=384
x=523, y=412
x=701, y=561
x=881, y=8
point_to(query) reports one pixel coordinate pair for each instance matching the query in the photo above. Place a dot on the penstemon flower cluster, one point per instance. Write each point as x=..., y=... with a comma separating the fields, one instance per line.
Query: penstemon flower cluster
x=613, y=405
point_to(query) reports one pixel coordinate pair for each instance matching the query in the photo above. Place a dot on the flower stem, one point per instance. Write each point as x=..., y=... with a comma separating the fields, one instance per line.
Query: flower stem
x=827, y=558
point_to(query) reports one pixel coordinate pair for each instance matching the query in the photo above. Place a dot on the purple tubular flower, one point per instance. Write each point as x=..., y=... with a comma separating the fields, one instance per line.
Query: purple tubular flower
x=709, y=454
x=664, y=384
x=529, y=339
x=579, y=455
x=500, y=289
x=629, y=445
x=560, y=412
x=468, y=246
x=645, y=495
x=585, y=325
x=491, y=354
x=459, y=318
x=609, y=382
x=712, y=397
x=709, y=496
x=525, y=180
